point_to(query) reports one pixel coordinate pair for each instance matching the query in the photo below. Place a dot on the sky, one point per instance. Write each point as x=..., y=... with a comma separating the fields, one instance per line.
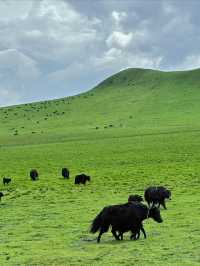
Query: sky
x=55, y=48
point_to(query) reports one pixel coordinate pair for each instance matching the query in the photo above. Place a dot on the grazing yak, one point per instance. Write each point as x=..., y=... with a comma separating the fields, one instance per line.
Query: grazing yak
x=65, y=173
x=123, y=218
x=6, y=180
x=1, y=195
x=81, y=179
x=157, y=195
x=34, y=174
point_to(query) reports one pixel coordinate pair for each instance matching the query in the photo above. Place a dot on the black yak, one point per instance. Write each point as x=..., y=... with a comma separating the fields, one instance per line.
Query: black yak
x=65, y=173
x=123, y=218
x=81, y=179
x=157, y=195
x=135, y=198
x=131, y=199
x=6, y=180
x=34, y=174
x=1, y=195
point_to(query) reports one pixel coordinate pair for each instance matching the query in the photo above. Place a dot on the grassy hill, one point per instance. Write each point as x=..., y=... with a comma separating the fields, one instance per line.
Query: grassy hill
x=136, y=128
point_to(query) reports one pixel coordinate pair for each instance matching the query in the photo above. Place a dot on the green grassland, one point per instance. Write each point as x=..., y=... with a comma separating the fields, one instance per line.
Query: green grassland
x=135, y=129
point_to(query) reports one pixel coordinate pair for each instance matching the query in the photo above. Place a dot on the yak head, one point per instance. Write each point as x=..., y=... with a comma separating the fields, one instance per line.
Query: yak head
x=154, y=213
x=88, y=178
x=167, y=194
x=164, y=193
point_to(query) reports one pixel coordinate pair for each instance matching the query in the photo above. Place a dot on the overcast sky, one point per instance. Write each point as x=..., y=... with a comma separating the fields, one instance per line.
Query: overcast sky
x=51, y=49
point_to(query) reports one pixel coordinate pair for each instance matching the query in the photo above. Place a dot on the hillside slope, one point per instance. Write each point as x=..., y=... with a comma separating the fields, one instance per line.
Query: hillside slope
x=133, y=100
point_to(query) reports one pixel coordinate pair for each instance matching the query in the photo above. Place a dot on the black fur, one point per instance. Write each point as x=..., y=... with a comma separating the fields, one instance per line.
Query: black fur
x=131, y=199
x=123, y=218
x=135, y=198
x=65, y=173
x=34, y=174
x=81, y=179
x=6, y=180
x=157, y=195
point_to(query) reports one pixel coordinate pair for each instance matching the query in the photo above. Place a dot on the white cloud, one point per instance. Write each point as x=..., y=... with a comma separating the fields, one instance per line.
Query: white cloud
x=118, y=17
x=144, y=61
x=116, y=59
x=55, y=31
x=12, y=10
x=46, y=38
x=34, y=34
x=19, y=64
x=108, y=59
x=119, y=39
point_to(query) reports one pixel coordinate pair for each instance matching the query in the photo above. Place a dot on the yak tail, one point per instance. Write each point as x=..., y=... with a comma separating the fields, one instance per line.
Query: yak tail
x=101, y=222
x=96, y=224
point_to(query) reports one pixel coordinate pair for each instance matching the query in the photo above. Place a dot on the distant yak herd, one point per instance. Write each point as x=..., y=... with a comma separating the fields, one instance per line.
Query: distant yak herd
x=120, y=218
x=34, y=175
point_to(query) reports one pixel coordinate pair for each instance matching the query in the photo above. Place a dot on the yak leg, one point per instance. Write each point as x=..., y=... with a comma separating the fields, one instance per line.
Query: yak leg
x=115, y=234
x=120, y=235
x=138, y=235
x=134, y=234
x=99, y=236
x=143, y=231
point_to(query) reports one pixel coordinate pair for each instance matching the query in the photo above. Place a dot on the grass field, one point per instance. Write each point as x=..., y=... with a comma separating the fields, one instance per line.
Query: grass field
x=137, y=128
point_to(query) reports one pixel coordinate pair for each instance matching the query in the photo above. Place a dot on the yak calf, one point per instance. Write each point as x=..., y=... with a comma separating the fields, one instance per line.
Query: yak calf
x=65, y=173
x=157, y=195
x=34, y=174
x=81, y=179
x=6, y=180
